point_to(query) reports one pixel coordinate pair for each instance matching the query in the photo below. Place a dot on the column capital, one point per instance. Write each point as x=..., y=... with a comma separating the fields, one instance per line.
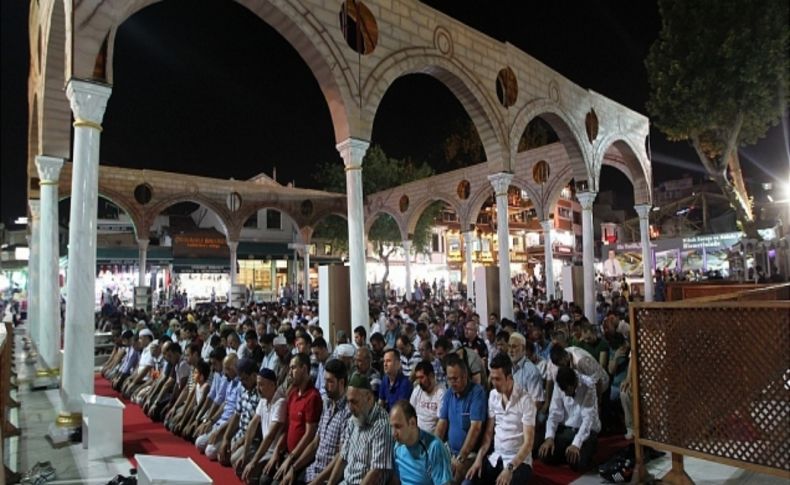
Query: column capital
x=48, y=169
x=468, y=236
x=406, y=244
x=35, y=208
x=547, y=225
x=352, y=151
x=142, y=244
x=233, y=245
x=643, y=210
x=501, y=182
x=88, y=101
x=586, y=199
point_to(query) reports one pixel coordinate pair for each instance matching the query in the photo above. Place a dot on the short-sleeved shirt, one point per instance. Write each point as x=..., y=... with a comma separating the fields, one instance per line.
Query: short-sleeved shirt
x=231, y=396
x=333, y=423
x=245, y=409
x=271, y=412
x=367, y=448
x=460, y=411
x=218, y=385
x=408, y=364
x=303, y=407
x=425, y=463
x=527, y=376
x=509, y=424
x=392, y=392
x=427, y=406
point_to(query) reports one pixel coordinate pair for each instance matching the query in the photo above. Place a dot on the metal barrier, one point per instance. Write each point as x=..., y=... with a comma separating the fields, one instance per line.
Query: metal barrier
x=711, y=379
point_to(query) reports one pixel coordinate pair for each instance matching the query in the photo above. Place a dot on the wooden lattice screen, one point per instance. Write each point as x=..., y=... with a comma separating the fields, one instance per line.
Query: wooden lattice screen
x=712, y=380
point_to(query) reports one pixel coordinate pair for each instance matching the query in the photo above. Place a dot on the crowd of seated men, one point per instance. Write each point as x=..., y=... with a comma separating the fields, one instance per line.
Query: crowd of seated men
x=431, y=395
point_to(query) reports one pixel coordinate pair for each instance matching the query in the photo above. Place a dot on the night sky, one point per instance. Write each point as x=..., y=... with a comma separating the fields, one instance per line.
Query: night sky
x=207, y=88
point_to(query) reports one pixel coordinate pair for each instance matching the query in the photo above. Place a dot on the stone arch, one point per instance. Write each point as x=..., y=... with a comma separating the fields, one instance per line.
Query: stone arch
x=373, y=216
x=463, y=83
x=617, y=151
x=319, y=217
x=54, y=111
x=556, y=186
x=224, y=218
x=315, y=45
x=33, y=134
x=422, y=204
x=249, y=209
x=117, y=199
x=474, y=205
x=563, y=126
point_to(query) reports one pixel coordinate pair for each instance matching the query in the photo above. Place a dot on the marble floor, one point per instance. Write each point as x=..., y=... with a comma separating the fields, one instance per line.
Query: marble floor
x=73, y=466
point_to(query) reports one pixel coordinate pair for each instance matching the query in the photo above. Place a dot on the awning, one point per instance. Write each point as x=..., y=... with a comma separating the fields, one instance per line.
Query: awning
x=263, y=250
x=131, y=256
x=201, y=265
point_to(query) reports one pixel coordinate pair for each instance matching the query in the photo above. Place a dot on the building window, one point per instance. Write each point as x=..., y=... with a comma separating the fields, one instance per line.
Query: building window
x=577, y=217
x=563, y=212
x=435, y=243
x=273, y=219
x=252, y=222
x=327, y=249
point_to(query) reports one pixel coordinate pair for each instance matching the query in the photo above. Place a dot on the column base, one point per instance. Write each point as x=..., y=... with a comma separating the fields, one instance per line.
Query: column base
x=55, y=372
x=69, y=420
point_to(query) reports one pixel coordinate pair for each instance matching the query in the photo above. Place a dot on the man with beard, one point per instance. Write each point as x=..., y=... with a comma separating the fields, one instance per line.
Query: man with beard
x=366, y=454
x=427, y=397
x=326, y=444
x=420, y=457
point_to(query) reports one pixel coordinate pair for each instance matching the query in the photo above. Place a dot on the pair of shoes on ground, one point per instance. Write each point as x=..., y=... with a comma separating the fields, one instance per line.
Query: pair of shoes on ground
x=41, y=473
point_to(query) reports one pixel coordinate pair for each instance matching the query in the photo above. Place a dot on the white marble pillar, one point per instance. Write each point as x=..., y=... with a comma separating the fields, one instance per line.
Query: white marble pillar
x=88, y=102
x=306, y=285
x=233, y=246
x=586, y=199
x=33, y=265
x=501, y=182
x=142, y=249
x=407, y=255
x=49, y=251
x=353, y=151
x=470, y=276
x=643, y=210
x=548, y=255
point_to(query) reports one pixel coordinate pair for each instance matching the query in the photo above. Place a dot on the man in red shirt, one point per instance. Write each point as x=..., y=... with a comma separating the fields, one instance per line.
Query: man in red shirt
x=303, y=413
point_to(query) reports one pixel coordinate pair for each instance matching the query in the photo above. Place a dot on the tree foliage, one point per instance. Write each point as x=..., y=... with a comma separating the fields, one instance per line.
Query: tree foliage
x=379, y=172
x=718, y=78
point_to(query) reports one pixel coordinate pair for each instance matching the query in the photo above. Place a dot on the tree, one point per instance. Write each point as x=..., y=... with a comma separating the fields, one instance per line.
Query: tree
x=718, y=77
x=379, y=172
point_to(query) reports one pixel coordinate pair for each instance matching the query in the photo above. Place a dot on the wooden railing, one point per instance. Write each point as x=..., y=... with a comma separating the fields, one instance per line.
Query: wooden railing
x=7, y=429
x=711, y=380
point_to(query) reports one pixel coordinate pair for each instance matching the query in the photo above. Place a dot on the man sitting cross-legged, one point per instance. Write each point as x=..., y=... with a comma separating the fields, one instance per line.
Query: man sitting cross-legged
x=420, y=457
x=511, y=428
x=573, y=425
x=270, y=416
x=247, y=402
x=210, y=432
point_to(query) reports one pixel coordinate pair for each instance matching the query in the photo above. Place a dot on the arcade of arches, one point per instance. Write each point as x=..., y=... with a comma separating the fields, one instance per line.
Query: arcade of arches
x=72, y=48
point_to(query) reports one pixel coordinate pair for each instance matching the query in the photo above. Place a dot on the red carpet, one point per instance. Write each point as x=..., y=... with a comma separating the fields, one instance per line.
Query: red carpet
x=141, y=435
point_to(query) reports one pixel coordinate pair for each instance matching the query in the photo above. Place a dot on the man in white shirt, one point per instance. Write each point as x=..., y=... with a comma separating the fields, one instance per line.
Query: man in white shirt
x=573, y=425
x=427, y=396
x=511, y=426
x=270, y=415
x=580, y=360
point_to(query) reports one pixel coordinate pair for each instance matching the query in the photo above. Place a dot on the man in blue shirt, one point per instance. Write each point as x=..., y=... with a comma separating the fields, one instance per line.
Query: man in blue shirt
x=395, y=386
x=420, y=457
x=461, y=416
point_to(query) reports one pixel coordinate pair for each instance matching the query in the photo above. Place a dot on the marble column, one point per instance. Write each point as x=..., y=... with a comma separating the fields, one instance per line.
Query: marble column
x=470, y=276
x=49, y=250
x=88, y=102
x=407, y=255
x=353, y=151
x=501, y=182
x=548, y=255
x=233, y=246
x=586, y=199
x=142, y=251
x=33, y=266
x=643, y=210
x=306, y=285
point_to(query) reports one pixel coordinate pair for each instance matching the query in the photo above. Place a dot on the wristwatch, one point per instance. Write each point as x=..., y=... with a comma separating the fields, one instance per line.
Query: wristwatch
x=510, y=467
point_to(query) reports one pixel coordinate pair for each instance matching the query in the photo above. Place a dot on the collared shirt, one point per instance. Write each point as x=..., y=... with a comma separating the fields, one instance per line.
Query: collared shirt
x=333, y=423
x=245, y=409
x=375, y=380
x=367, y=448
x=527, y=376
x=205, y=352
x=425, y=463
x=231, y=396
x=579, y=411
x=303, y=407
x=509, y=424
x=271, y=412
x=460, y=411
x=319, y=380
x=218, y=386
x=543, y=352
x=427, y=406
x=392, y=392
x=408, y=364
x=130, y=359
x=271, y=361
x=586, y=364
